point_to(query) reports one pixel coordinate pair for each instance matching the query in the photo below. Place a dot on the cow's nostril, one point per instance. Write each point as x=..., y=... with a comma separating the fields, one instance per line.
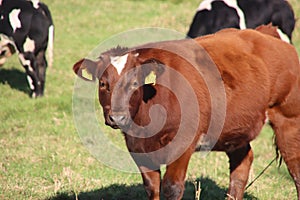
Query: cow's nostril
x=117, y=118
x=111, y=118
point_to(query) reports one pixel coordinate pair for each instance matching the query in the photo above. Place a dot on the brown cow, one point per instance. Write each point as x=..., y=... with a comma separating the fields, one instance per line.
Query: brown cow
x=259, y=75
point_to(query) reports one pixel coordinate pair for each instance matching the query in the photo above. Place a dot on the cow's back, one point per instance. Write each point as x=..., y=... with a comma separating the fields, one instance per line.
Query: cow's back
x=251, y=57
x=258, y=71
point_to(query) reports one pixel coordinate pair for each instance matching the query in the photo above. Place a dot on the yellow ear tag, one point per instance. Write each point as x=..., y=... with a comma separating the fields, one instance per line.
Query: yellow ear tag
x=151, y=78
x=86, y=74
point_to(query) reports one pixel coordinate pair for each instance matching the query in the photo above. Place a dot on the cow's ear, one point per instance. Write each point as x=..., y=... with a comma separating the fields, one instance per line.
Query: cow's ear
x=151, y=70
x=86, y=69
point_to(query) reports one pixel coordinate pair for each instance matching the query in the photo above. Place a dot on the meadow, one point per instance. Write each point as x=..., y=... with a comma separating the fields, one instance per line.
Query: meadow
x=41, y=153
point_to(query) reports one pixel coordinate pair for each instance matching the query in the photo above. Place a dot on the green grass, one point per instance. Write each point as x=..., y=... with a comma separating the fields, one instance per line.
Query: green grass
x=41, y=154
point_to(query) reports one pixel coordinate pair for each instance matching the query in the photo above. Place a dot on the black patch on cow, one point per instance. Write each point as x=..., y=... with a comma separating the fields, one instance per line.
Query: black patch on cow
x=149, y=92
x=210, y=21
x=256, y=12
x=35, y=24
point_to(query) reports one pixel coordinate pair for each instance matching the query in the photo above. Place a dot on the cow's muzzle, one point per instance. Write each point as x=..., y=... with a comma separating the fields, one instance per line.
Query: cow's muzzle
x=118, y=120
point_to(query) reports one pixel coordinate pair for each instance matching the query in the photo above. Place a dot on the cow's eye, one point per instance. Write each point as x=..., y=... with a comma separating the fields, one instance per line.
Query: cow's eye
x=135, y=84
x=102, y=84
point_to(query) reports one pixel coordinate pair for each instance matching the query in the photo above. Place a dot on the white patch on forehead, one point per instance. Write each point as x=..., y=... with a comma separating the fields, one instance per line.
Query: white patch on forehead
x=206, y=4
x=0, y=2
x=35, y=3
x=119, y=62
x=283, y=36
x=14, y=19
x=29, y=45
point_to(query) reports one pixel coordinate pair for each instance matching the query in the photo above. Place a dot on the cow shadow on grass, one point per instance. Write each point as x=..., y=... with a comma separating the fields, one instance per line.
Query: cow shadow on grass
x=209, y=191
x=15, y=78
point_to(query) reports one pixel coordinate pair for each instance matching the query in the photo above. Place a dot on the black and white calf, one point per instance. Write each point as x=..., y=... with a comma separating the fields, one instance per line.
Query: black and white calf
x=214, y=15
x=27, y=28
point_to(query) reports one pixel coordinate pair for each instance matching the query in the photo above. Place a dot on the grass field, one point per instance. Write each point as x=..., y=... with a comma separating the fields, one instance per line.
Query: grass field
x=41, y=154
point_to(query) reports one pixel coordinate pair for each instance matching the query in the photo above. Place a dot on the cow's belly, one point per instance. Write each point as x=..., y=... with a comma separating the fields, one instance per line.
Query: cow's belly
x=235, y=134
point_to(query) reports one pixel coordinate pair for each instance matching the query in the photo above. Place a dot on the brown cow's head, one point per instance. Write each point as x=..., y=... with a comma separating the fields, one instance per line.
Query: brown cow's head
x=123, y=85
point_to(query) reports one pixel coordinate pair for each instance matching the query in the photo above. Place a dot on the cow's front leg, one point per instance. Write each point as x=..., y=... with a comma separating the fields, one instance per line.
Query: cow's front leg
x=240, y=162
x=29, y=63
x=151, y=180
x=173, y=181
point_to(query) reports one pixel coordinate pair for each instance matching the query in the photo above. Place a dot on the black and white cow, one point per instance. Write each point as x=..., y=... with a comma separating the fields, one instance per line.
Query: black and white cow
x=214, y=15
x=27, y=28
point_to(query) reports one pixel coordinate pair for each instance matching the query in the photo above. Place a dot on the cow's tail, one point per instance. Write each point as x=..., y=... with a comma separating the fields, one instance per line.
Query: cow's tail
x=47, y=13
x=278, y=155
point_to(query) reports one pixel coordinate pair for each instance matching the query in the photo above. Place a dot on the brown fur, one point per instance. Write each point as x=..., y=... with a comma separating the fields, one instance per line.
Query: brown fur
x=269, y=30
x=260, y=74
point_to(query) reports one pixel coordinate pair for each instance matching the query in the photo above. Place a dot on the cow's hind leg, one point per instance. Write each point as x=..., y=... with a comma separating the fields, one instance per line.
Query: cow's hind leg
x=240, y=163
x=42, y=66
x=287, y=134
